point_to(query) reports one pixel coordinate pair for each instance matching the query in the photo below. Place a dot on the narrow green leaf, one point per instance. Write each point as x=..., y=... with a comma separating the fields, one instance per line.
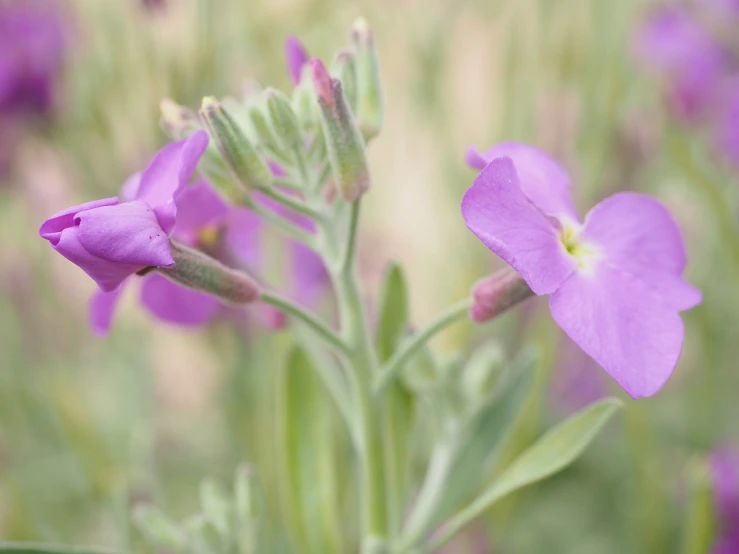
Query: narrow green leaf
x=699, y=524
x=308, y=470
x=159, y=529
x=551, y=453
x=392, y=327
x=392, y=322
x=460, y=460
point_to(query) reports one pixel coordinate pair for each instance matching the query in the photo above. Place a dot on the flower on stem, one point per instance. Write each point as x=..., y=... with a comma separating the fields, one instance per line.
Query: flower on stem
x=111, y=239
x=615, y=280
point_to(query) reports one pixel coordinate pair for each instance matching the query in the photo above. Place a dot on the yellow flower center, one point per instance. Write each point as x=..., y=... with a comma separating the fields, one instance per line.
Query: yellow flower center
x=208, y=236
x=586, y=254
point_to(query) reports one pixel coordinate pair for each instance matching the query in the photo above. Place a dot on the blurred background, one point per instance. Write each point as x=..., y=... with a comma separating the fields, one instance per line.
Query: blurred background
x=91, y=427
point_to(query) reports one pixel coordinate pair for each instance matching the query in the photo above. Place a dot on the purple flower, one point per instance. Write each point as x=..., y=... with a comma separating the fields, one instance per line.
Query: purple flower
x=111, y=239
x=673, y=43
x=724, y=463
x=615, y=280
x=727, y=124
x=296, y=58
x=31, y=54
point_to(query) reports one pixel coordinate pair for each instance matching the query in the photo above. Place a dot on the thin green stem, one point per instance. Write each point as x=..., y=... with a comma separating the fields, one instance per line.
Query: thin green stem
x=309, y=319
x=287, y=184
x=351, y=242
x=291, y=202
x=282, y=224
x=415, y=343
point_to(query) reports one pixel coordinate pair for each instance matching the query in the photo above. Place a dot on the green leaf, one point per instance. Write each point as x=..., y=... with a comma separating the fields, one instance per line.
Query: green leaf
x=461, y=458
x=392, y=327
x=699, y=524
x=392, y=322
x=36, y=548
x=306, y=455
x=159, y=529
x=551, y=453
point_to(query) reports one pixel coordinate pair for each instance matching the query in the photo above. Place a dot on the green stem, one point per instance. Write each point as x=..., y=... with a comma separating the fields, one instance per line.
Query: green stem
x=415, y=343
x=310, y=320
x=282, y=224
x=351, y=243
x=362, y=359
x=292, y=203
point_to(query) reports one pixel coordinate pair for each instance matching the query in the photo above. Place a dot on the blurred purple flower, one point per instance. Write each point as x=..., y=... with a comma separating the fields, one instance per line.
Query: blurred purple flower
x=112, y=239
x=32, y=46
x=724, y=463
x=727, y=125
x=296, y=58
x=673, y=43
x=615, y=281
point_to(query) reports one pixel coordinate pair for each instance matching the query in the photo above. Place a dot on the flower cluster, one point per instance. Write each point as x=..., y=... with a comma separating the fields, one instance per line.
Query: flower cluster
x=614, y=280
x=693, y=47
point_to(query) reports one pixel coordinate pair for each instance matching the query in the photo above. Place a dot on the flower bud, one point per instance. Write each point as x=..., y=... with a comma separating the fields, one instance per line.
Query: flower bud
x=159, y=529
x=240, y=156
x=197, y=271
x=369, y=89
x=344, y=69
x=261, y=127
x=343, y=140
x=494, y=294
x=296, y=58
x=481, y=373
x=178, y=122
x=284, y=121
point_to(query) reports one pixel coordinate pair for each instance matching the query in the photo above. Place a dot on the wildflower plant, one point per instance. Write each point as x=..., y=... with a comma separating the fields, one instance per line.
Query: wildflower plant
x=297, y=161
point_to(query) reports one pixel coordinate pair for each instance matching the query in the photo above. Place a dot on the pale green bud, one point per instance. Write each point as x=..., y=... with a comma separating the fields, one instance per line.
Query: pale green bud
x=284, y=121
x=344, y=68
x=369, y=88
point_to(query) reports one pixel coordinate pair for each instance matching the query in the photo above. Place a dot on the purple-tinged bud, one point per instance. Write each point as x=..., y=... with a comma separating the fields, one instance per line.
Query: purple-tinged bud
x=494, y=294
x=344, y=142
x=178, y=122
x=237, y=151
x=344, y=68
x=369, y=88
x=198, y=271
x=296, y=58
x=322, y=82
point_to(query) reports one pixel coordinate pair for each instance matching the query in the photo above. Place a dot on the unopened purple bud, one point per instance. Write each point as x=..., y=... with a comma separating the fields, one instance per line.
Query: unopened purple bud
x=494, y=294
x=198, y=271
x=296, y=57
x=322, y=82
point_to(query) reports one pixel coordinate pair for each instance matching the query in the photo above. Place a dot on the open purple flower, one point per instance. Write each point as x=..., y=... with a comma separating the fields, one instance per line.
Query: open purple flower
x=615, y=280
x=112, y=239
x=203, y=222
x=673, y=43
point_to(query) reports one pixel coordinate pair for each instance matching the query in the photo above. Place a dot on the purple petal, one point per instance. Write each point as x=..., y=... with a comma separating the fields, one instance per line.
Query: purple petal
x=497, y=212
x=725, y=475
x=474, y=158
x=672, y=39
x=310, y=277
x=102, y=308
x=542, y=179
x=128, y=233
x=622, y=325
x=244, y=236
x=130, y=188
x=176, y=304
x=296, y=58
x=198, y=206
x=728, y=126
x=108, y=275
x=52, y=228
x=638, y=235
x=171, y=169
